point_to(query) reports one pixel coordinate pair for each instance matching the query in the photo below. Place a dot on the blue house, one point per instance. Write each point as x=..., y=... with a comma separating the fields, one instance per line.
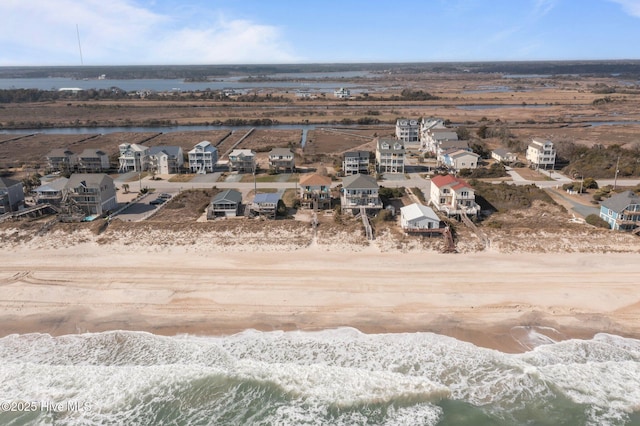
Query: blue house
x=622, y=211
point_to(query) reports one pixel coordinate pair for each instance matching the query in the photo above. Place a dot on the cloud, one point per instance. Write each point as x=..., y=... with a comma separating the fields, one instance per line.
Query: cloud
x=631, y=7
x=42, y=32
x=543, y=7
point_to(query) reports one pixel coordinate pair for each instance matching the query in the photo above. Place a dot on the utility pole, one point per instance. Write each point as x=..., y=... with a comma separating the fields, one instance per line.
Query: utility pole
x=615, y=179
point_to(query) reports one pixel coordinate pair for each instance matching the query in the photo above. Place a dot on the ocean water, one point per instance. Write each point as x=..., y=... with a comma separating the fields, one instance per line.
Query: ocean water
x=332, y=377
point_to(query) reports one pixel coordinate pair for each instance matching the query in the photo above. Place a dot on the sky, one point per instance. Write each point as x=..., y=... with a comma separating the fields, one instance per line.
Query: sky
x=211, y=32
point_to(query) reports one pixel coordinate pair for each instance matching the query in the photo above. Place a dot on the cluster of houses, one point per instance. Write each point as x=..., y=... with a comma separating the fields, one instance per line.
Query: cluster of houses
x=432, y=136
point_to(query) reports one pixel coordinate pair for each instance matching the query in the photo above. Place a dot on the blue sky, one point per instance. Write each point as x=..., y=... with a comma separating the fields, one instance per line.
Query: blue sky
x=132, y=32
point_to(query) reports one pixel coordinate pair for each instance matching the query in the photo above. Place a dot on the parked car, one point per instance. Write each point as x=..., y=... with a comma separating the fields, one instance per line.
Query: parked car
x=164, y=196
x=157, y=201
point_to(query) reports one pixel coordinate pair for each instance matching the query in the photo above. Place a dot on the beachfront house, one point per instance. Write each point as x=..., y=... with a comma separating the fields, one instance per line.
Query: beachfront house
x=622, y=211
x=52, y=192
x=282, y=159
x=418, y=218
x=427, y=124
x=203, y=158
x=93, y=161
x=242, y=160
x=355, y=162
x=541, y=154
x=389, y=156
x=408, y=131
x=315, y=192
x=225, y=204
x=453, y=196
x=449, y=146
x=166, y=160
x=360, y=192
x=265, y=204
x=11, y=195
x=458, y=159
x=61, y=160
x=133, y=157
x=93, y=193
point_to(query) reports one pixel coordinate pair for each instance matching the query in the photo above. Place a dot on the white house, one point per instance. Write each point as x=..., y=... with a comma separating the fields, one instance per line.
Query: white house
x=389, y=156
x=282, y=159
x=407, y=130
x=355, y=162
x=504, y=156
x=203, y=157
x=541, y=154
x=418, y=218
x=342, y=93
x=133, y=157
x=459, y=159
x=242, y=160
x=166, y=159
x=452, y=195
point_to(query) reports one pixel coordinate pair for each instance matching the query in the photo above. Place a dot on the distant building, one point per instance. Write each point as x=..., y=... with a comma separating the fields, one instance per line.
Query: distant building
x=166, y=160
x=203, y=158
x=427, y=125
x=342, y=93
x=94, y=194
x=407, y=130
x=242, y=160
x=133, y=157
x=389, y=155
x=434, y=138
x=93, y=161
x=541, y=154
x=355, y=162
x=11, y=195
x=622, y=211
x=61, y=159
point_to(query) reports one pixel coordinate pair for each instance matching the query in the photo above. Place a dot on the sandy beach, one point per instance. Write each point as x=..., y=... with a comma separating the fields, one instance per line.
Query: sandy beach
x=72, y=283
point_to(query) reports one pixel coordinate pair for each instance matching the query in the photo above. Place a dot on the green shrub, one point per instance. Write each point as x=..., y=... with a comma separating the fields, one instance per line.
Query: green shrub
x=597, y=221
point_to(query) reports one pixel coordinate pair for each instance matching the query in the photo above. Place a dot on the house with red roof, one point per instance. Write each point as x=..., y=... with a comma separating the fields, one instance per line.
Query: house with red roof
x=453, y=196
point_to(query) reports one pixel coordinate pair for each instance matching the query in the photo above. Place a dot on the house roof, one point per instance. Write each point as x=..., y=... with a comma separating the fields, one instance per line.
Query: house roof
x=620, y=201
x=449, y=180
x=92, y=152
x=281, y=151
x=392, y=145
x=171, y=151
x=7, y=183
x=266, y=197
x=133, y=147
x=55, y=185
x=418, y=211
x=315, y=179
x=87, y=179
x=59, y=152
x=462, y=153
x=359, y=154
x=502, y=152
x=228, y=196
x=203, y=144
x=242, y=153
x=359, y=181
x=453, y=144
